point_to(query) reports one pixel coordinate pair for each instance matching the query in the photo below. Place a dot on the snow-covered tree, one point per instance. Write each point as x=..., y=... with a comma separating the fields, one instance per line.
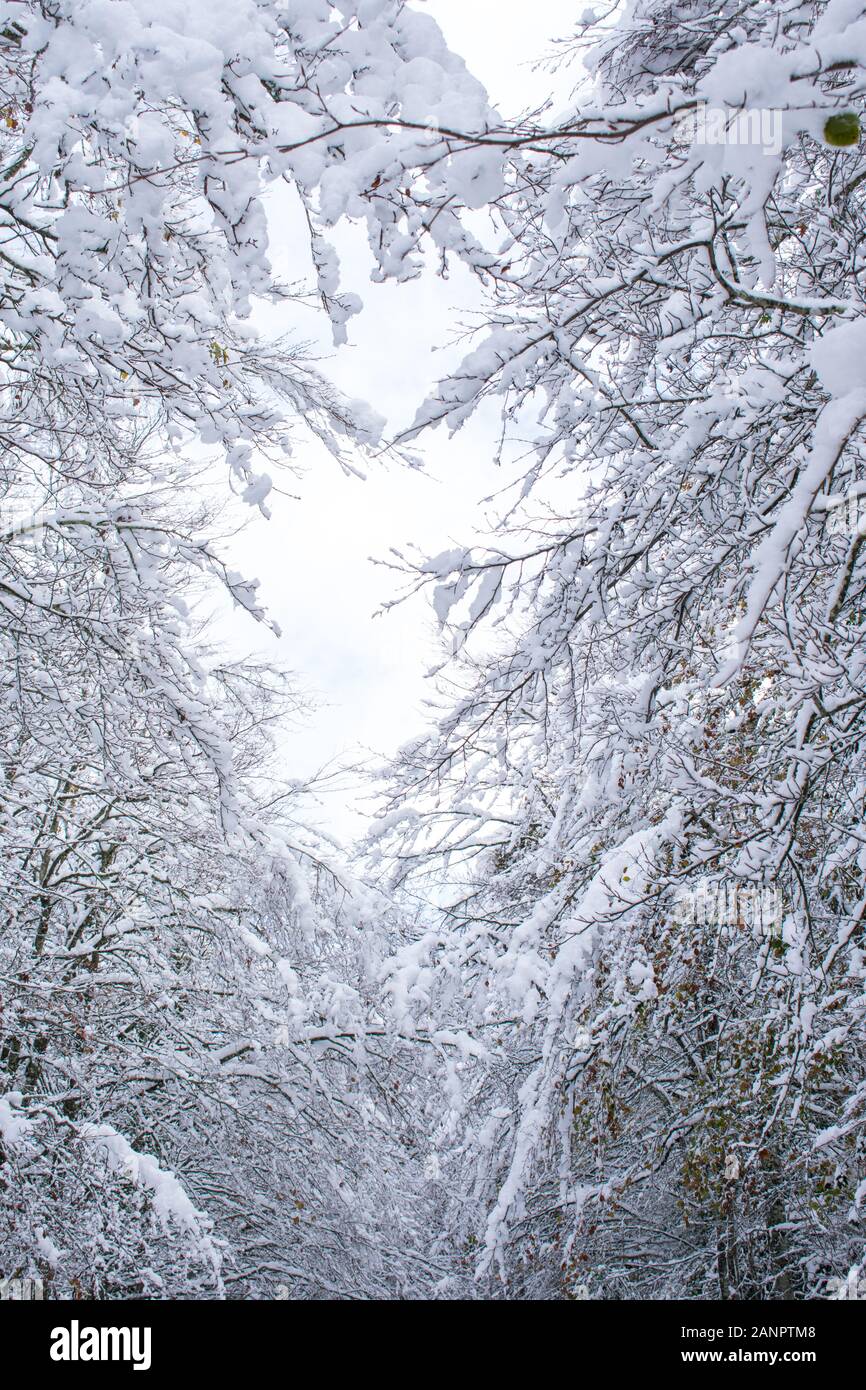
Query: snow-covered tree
x=188, y=976
x=633, y=1008
x=197, y=1092
x=644, y=796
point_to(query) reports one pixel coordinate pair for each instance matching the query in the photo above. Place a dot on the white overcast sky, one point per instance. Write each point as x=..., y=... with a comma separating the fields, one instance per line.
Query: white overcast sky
x=313, y=556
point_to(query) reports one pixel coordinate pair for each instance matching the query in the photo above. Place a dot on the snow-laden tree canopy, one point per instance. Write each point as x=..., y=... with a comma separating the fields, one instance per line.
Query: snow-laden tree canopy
x=619, y=1048
x=646, y=790
x=199, y=1092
